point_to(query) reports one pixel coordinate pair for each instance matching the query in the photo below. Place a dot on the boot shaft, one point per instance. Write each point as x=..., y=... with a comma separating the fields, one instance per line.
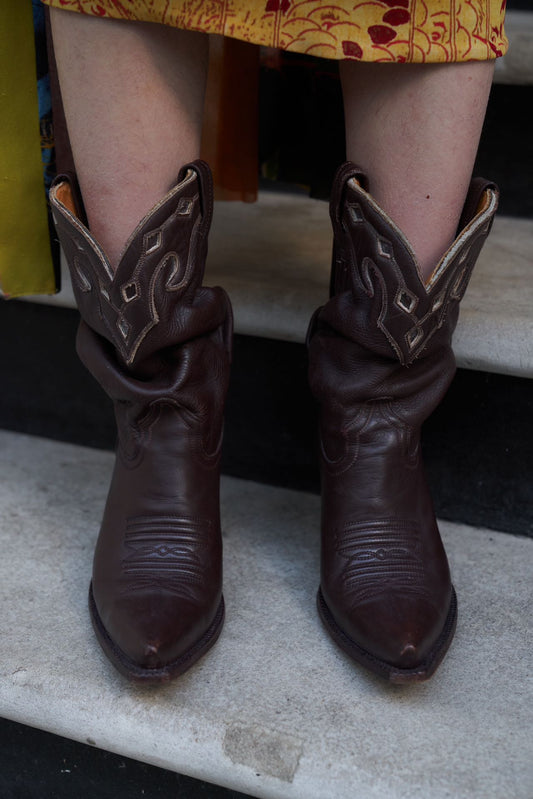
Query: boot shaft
x=395, y=312
x=151, y=334
x=380, y=361
x=159, y=343
x=385, y=334
x=159, y=275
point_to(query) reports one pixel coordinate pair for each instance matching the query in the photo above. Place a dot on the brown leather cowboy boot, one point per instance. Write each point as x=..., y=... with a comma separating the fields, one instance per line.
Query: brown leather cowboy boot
x=159, y=343
x=380, y=361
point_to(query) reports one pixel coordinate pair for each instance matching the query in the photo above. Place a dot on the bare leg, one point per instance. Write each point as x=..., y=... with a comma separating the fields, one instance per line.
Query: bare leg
x=414, y=129
x=133, y=96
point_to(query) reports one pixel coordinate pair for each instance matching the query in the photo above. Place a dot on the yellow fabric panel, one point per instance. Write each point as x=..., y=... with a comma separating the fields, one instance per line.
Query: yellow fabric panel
x=25, y=259
x=414, y=31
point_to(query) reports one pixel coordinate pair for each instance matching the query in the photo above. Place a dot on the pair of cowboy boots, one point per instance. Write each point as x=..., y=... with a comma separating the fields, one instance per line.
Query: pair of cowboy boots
x=380, y=360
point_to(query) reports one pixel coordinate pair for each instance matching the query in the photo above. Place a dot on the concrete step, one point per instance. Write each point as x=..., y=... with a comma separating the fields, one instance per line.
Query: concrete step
x=273, y=257
x=516, y=66
x=274, y=710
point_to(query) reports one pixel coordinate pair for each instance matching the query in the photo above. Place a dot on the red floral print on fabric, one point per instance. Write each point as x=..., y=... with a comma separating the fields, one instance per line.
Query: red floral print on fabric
x=278, y=5
x=352, y=50
x=412, y=31
x=397, y=16
x=380, y=34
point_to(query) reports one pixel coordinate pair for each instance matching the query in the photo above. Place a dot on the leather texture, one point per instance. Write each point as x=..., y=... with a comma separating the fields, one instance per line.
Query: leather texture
x=159, y=343
x=380, y=361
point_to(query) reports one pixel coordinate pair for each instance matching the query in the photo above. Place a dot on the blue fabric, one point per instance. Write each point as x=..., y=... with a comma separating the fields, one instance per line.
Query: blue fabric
x=44, y=95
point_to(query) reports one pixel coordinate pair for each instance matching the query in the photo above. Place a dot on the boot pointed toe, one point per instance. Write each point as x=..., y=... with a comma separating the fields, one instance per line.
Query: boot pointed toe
x=151, y=640
x=405, y=643
x=409, y=656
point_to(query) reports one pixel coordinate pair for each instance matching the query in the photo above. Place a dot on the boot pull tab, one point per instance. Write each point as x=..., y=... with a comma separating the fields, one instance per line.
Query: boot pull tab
x=345, y=172
x=474, y=198
x=205, y=179
x=67, y=191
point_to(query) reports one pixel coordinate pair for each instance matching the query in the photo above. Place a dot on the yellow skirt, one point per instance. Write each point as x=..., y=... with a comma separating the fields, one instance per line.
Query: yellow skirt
x=412, y=31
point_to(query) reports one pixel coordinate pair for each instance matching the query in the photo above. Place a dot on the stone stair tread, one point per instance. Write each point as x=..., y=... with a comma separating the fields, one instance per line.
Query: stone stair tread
x=274, y=710
x=273, y=257
x=516, y=67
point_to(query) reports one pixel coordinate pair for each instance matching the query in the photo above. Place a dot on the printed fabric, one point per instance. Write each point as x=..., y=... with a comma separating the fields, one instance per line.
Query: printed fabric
x=412, y=31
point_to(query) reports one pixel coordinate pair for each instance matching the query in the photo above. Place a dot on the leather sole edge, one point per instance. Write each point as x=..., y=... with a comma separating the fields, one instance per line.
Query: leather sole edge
x=420, y=673
x=138, y=674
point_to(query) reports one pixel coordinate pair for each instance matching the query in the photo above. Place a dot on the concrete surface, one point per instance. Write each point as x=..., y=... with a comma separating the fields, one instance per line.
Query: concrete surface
x=273, y=257
x=516, y=66
x=274, y=710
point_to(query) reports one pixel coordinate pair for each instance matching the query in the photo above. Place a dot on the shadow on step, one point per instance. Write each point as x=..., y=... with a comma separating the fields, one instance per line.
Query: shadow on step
x=38, y=765
x=477, y=445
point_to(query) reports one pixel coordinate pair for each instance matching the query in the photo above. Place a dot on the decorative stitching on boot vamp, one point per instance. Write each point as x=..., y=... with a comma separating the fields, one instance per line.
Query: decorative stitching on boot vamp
x=383, y=556
x=166, y=552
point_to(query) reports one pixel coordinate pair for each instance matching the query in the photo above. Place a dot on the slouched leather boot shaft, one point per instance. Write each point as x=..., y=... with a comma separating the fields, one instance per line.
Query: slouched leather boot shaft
x=380, y=361
x=159, y=343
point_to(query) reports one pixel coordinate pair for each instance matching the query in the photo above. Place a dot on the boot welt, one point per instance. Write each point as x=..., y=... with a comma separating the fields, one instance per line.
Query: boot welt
x=127, y=667
x=423, y=671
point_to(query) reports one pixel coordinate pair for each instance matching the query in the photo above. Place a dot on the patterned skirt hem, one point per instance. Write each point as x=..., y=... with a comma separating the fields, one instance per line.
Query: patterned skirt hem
x=405, y=31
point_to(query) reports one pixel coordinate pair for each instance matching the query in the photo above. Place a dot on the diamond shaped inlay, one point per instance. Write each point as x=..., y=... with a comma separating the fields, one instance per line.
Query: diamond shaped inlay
x=356, y=214
x=385, y=248
x=123, y=326
x=184, y=206
x=406, y=301
x=152, y=241
x=414, y=336
x=130, y=291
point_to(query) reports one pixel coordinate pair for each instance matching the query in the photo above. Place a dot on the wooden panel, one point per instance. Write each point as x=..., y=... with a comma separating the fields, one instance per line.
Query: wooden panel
x=230, y=131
